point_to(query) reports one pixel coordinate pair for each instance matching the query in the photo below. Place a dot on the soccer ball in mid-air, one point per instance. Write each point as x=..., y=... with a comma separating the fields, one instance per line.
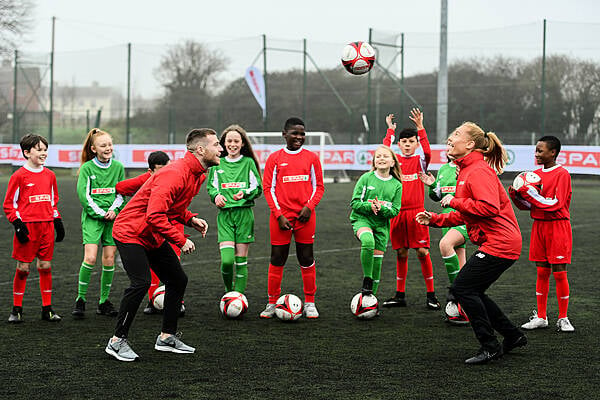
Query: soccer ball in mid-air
x=288, y=307
x=158, y=298
x=358, y=58
x=527, y=179
x=233, y=304
x=364, y=306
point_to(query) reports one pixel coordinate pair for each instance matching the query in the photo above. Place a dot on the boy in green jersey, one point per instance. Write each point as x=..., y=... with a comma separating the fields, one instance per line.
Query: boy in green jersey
x=233, y=185
x=376, y=198
x=98, y=176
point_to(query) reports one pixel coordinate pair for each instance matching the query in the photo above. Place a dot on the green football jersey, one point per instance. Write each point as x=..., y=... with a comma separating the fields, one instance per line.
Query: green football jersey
x=96, y=187
x=445, y=183
x=369, y=187
x=231, y=176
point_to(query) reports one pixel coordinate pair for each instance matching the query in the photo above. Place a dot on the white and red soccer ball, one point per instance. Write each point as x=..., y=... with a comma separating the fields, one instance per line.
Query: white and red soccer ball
x=527, y=178
x=364, y=306
x=288, y=307
x=233, y=304
x=358, y=57
x=158, y=298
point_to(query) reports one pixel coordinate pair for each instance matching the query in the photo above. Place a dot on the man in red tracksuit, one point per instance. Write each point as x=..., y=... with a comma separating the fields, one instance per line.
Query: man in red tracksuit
x=483, y=205
x=143, y=230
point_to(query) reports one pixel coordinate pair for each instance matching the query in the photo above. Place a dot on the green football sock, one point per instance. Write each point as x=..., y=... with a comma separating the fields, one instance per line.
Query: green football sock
x=108, y=271
x=227, y=259
x=452, y=266
x=241, y=273
x=85, y=272
x=377, y=261
x=367, y=244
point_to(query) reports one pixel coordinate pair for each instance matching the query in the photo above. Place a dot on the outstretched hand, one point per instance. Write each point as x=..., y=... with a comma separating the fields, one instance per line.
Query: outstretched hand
x=445, y=202
x=200, y=225
x=423, y=218
x=389, y=120
x=416, y=116
x=427, y=178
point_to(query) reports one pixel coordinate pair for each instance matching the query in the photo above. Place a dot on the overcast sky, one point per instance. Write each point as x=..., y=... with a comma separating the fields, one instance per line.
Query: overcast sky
x=85, y=24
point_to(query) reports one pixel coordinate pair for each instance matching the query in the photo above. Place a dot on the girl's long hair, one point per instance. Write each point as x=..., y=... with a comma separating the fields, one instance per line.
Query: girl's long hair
x=395, y=169
x=86, y=153
x=246, y=149
x=489, y=144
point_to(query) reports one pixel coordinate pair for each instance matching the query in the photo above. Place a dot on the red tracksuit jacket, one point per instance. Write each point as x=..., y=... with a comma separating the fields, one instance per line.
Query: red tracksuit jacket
x=146, y=219
x=483, y=205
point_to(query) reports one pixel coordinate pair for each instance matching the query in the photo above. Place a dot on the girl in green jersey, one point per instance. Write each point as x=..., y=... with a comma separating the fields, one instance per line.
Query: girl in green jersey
x=98, y=176
x=376, y=199
x=233, y=185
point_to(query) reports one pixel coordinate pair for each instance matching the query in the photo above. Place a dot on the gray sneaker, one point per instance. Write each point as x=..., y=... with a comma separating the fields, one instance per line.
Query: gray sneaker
x=268, y=312
x=173, y=344
x=121, y=350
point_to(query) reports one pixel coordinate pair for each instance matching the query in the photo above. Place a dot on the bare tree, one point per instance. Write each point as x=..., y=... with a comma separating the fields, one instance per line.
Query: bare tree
x=190, y=65
x=15, y=20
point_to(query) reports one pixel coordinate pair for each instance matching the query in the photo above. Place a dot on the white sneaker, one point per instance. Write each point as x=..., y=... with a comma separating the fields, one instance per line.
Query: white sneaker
x=310, y=311
x=268, y=312
x=535, y=322
x=564, y=325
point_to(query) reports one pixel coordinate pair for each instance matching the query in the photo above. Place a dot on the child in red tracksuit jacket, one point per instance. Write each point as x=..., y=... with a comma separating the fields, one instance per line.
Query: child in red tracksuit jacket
x=483, y=205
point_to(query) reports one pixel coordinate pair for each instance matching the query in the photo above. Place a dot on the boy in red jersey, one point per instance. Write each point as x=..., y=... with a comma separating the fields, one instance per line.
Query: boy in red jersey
x=405, y=232
x=128, y=187
x=31, y=206
x=551, y=237
x=293, y=187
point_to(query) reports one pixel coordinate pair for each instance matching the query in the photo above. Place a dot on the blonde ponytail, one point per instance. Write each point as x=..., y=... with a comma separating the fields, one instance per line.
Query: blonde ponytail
x=489, y=144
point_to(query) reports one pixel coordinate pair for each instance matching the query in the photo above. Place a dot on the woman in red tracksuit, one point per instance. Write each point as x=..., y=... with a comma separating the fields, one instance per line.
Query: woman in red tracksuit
x=483, y=205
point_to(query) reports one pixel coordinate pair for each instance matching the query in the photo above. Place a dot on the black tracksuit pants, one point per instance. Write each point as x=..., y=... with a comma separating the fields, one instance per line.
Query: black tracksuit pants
x=137, y=262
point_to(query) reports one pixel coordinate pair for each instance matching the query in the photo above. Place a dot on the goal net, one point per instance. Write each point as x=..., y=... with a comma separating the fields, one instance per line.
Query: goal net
x=264, y=143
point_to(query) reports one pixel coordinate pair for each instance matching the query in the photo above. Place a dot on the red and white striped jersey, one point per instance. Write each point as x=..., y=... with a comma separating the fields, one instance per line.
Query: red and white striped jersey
x=32, y=195
x=292, y=180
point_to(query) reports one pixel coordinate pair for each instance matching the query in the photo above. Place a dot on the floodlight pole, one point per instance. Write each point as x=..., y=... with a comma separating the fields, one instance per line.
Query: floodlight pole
x=369, y=116
x=51, y=114
x=442, y=81
x=127, y=124
x=266, y=111
x=543, y=100
x=15, y=115
x=304, y=80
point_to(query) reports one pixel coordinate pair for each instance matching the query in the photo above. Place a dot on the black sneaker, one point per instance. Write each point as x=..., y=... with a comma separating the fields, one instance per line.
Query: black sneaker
x=432, y=302
x=48, y=314
x=399, y=300
x=484, y=356
x=79, y=310
x=509, y=344
x=107, y=309
x=16, y=315
x=150, y=309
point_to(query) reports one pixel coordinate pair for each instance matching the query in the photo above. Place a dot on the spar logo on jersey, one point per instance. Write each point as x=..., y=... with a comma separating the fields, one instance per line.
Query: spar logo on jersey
x=409, y=177
x=448, y=189
x=295, y=178
x=38, y=198
x=103, y=191
x=233, y=185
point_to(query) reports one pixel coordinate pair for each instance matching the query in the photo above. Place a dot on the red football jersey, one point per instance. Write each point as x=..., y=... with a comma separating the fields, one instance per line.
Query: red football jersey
x=32, y=195
x=292, y=180
x=413, y=192
x=555, y=197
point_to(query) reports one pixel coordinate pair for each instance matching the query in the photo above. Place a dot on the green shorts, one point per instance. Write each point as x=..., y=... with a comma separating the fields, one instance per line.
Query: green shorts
x=236, y=225
x=381, y=234
x=96, y=230
x=463, y=231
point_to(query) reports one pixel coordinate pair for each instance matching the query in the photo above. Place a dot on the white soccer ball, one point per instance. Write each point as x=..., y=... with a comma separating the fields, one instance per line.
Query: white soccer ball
x=358, y=57
x=527, y=178
x=158, y=298
x=233, y=304
x=364, y=307
x=452, y=309
x=288, y=307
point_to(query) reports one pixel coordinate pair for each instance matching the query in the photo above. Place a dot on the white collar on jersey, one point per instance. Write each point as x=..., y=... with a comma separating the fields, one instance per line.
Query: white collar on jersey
x=238, y=158
x=292, y=151
x=31, y=169
x=551, y=168
x=381, y=177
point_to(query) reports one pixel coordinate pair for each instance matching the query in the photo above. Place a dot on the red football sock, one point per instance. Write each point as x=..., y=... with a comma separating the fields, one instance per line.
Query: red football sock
x=19, y=287
x=154, y=283
x=427, y=271
x=46, y=286
x=401, y=272
x=541, y=290
x=274, y=282
x=309, y=279
x=562, y=292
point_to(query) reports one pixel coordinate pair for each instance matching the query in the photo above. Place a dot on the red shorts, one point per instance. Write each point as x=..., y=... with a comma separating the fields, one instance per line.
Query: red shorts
x=40, y=244
x=406, y=232
x=303, y=232
x=551, y=241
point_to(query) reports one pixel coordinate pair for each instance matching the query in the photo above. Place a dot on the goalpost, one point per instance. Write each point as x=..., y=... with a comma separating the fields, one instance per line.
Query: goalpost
x=263, y=140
